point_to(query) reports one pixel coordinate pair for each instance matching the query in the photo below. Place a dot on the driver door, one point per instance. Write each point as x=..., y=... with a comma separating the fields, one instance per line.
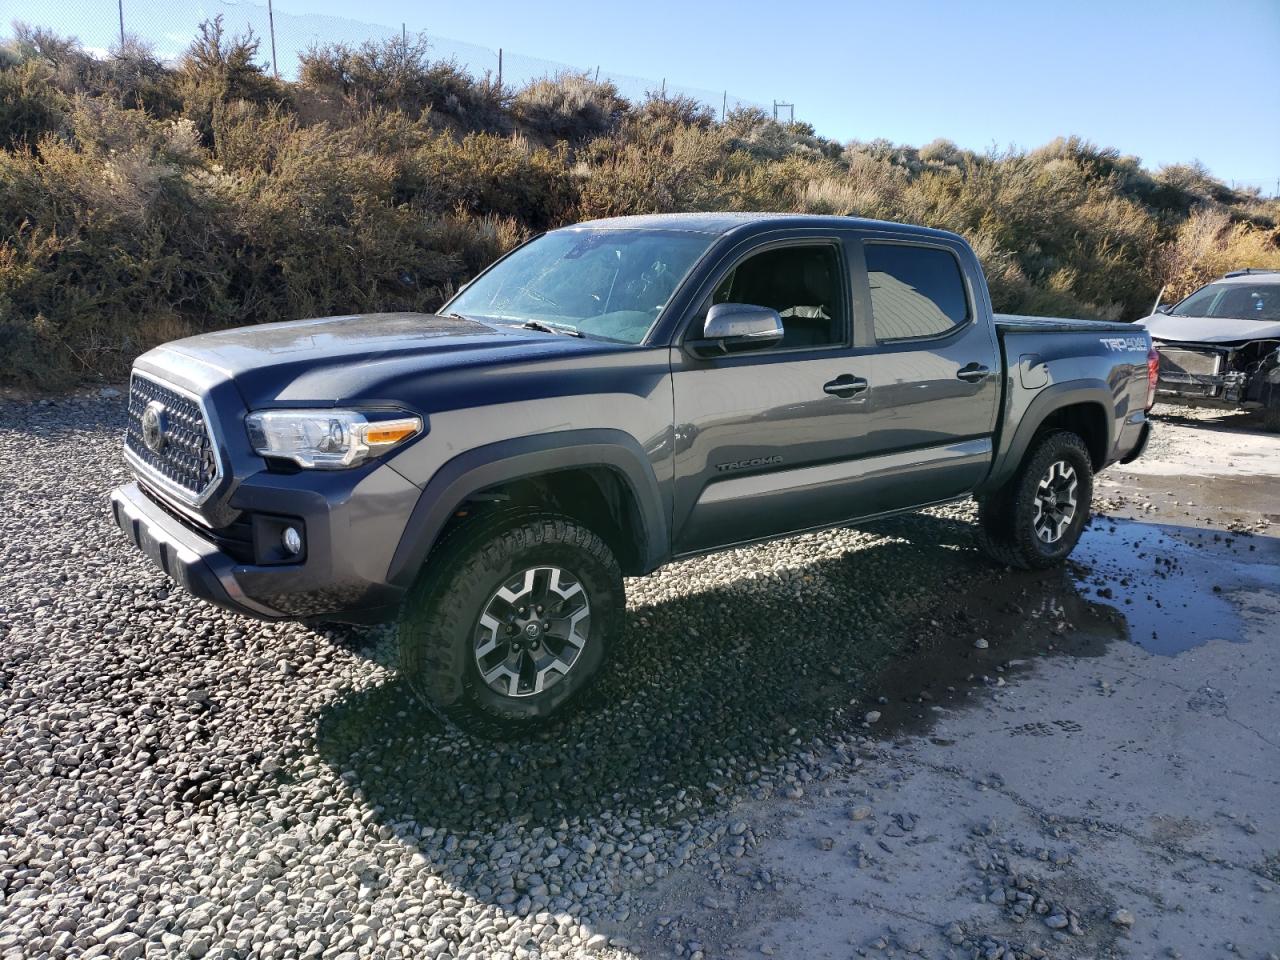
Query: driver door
x=761, y=435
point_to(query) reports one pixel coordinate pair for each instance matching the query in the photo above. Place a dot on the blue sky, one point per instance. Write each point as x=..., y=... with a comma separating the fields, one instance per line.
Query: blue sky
x=1168, y=81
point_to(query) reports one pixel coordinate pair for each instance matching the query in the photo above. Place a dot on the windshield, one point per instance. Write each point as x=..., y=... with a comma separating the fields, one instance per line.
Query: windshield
x=602, y=283
x=1232, y=301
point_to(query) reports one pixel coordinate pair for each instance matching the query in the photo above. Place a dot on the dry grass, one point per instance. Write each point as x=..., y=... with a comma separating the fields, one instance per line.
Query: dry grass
x=139, y=203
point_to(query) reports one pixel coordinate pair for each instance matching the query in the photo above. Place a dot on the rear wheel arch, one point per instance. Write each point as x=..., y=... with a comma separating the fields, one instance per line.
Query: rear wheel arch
x=1085, y=409
x=1088, y=420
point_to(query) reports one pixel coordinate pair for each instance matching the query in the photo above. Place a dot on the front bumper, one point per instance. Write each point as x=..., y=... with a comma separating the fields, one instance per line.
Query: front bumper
x=352, y=522
x=194, y=562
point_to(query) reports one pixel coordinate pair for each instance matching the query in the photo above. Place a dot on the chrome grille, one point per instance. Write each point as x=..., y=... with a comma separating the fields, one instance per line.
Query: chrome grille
x=185, y=463
x=1202, y=363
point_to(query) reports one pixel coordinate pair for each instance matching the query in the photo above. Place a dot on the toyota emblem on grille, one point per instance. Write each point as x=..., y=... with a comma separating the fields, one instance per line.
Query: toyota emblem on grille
x=153, y=426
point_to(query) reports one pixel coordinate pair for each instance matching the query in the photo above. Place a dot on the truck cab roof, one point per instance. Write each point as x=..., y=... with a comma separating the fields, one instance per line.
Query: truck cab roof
x=728, y=222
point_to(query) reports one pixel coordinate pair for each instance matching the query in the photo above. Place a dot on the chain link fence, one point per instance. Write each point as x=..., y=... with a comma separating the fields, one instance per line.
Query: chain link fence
x=170, y=27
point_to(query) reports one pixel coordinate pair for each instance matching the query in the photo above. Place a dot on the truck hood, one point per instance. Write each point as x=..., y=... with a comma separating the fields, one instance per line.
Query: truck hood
x=357, y=357
x=1162, y=326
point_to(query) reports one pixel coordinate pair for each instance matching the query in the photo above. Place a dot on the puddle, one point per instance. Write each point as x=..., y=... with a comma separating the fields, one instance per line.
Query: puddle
x=1147, y=583
x=1173, y=585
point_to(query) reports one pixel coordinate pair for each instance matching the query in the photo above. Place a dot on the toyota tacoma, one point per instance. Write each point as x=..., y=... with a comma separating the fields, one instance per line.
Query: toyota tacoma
x=604, y=399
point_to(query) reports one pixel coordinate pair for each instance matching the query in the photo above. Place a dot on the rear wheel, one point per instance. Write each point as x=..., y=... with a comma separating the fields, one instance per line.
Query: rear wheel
x=1036, y=518
x=511, y=620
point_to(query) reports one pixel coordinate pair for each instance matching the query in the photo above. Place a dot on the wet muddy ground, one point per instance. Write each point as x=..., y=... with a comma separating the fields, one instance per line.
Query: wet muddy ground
x=855, y=742
x=1077, y=763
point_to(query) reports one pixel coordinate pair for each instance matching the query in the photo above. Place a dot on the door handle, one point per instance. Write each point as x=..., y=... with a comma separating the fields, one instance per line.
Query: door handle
x=845, y=386
x=972, y=372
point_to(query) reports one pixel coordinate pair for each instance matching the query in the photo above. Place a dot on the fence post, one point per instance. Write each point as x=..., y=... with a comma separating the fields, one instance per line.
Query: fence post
x=120, y=5
x=271, y=25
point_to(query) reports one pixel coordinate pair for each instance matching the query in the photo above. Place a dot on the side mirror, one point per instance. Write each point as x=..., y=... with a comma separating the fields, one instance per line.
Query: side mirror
x=731, y=327
x=1164, y=308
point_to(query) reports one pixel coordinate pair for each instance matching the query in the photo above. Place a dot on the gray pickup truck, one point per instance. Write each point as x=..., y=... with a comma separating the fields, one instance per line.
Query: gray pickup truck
x=605, y=399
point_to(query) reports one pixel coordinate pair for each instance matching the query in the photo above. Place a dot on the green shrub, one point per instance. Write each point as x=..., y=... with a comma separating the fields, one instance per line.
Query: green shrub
x=30, y=105
x=568, y=106
x=487, y=174
x=218, y=69
x=140, y=203
x=677, y=173
x=1208, y=244
x=398, y=74
x=102, y=253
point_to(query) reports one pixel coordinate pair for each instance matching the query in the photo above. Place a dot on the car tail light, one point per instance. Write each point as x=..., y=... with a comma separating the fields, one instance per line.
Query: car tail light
x=1153, y=376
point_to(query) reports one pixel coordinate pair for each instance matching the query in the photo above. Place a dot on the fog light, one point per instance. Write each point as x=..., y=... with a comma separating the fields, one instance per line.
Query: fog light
x=291, y=540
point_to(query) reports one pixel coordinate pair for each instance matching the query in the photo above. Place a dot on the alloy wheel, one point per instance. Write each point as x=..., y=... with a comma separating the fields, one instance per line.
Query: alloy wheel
x=532, y=631
x=1055, y=502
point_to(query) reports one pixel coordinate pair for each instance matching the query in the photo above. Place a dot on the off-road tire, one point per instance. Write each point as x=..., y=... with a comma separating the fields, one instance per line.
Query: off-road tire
x=441, y=615
x=1006, y=518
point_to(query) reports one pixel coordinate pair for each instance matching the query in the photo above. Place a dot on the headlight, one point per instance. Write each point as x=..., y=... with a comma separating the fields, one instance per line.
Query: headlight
x=328, y=439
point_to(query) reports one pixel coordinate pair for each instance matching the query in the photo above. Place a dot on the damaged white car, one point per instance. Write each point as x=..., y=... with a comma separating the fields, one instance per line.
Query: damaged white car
x=1220, y=346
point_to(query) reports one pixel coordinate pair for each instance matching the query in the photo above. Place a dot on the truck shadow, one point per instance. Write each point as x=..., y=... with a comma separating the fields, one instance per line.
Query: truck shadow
x=709, y=685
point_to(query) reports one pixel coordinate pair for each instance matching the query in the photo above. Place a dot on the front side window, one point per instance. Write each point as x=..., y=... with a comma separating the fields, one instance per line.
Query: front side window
x=1232, y=301
x=915, y=291
x=602, y=283
x=802, y=283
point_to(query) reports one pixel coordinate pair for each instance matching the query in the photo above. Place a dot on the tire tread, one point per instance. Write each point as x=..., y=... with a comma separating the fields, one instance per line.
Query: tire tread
x=1000, y=534
x=430, y=658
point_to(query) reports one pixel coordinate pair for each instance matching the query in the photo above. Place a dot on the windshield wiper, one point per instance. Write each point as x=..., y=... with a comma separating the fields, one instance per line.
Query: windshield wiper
x=563, y=329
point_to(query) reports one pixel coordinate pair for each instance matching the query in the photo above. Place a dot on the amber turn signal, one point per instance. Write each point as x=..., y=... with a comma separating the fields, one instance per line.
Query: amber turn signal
x=391, y=431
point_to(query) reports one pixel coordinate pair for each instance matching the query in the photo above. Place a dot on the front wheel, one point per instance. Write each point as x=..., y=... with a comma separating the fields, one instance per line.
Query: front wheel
x=1036, y=518
x=511, y=620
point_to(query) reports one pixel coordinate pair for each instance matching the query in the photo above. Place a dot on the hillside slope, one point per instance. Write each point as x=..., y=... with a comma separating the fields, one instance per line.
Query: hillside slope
x=140, y=202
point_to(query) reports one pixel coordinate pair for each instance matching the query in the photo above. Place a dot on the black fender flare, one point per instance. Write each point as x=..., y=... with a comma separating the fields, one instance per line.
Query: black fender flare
x=508, y=460
x=1047, y=402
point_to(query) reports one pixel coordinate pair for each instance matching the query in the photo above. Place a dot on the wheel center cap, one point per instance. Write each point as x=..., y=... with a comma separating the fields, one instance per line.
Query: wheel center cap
x=532, y=630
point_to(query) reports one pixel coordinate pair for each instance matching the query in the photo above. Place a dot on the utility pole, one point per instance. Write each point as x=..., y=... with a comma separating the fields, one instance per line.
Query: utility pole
x=789, y=106
x=499, y=69
x=271, y=25
x=724, y=105
x=120, y=5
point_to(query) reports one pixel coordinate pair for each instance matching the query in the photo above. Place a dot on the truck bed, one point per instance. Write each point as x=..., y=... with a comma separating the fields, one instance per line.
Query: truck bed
x=1013, y=323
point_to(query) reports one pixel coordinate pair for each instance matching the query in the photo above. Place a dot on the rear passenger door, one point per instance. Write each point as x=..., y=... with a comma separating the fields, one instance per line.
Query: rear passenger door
x=932, y=364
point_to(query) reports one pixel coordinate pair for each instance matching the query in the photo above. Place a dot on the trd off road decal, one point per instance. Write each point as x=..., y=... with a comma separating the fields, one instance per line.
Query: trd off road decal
x=1125, y=344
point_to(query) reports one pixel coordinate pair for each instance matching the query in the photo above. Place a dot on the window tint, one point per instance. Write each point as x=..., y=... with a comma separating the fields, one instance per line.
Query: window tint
x=915, y=291
x=1234, y=301
x=802, y=283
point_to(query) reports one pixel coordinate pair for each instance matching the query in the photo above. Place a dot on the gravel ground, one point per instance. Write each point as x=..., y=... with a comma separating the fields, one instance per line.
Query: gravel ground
x=1084, y=764
x=176, y=781
x=180, y=781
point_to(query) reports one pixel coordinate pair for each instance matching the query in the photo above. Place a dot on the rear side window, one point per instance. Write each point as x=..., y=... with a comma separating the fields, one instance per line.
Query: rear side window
x=915, y=291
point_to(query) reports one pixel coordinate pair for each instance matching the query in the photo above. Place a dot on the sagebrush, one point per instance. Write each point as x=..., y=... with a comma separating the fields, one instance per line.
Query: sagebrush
x=140, y=202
